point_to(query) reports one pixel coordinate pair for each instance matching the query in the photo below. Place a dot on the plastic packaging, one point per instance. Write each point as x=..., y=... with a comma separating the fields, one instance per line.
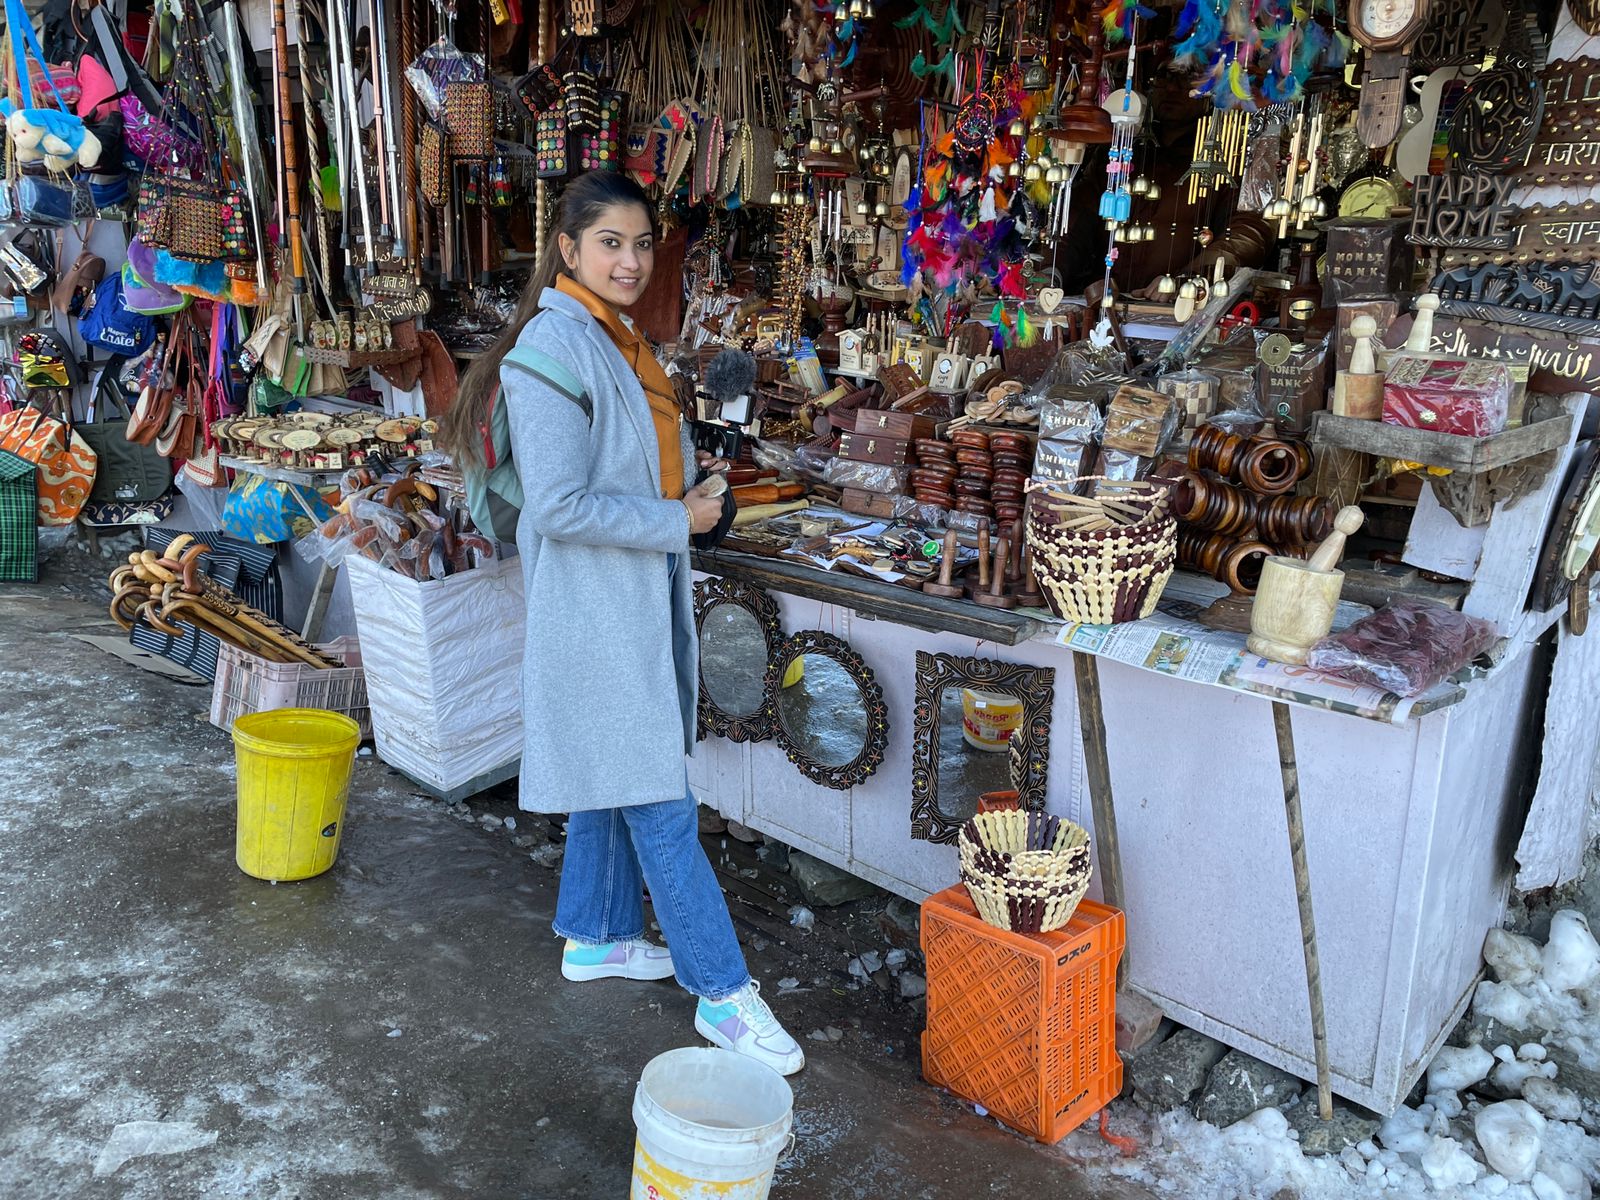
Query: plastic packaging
x=1406, y=647
x=1140, y=421
x=808, y=460
x=438, y=66
x=1070, y=421
x=869, y=477
x=1088, y=363
x=1122, y=466
x=1063, y=462
x=1294, y=386
x=1471, y=398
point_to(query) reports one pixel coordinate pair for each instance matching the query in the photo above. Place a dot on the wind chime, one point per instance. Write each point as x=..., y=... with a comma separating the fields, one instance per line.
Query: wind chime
x=1297, y=200
x=1126, y=109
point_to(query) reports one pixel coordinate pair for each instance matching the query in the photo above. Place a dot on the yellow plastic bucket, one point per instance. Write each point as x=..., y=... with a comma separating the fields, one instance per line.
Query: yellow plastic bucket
x=294, y=776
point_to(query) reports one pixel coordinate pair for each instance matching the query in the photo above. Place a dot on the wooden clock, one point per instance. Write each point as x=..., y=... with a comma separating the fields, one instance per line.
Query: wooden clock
x=1386, y=30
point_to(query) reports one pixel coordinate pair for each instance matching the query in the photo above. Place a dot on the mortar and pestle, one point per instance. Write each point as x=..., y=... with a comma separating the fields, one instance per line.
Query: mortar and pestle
x=1295, y=600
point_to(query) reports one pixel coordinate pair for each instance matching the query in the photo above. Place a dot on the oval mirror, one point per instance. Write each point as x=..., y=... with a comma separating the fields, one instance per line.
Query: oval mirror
x=739, y=635
x=827, y=709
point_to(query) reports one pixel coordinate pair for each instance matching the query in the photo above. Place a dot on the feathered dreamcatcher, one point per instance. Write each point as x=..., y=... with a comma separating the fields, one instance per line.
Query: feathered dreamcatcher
x=1253, y=52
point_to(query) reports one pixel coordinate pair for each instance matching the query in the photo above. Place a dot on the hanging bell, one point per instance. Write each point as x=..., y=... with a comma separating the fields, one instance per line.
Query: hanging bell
x=1055, y=175
x=1308, y=206
x=1032, y=173
x=1120, y=234
x=1166, y=286
x=776, y=199
x=1188, y=291
x=856, y=8
x=1153, y=192
x=1018, y=129
x=836, y=147
x=1112, y=223
x=815, y=144
x=1013, y=170
x=1321, y=210
x=867, y=12
x=1140, y=186
x=1147, y=233
x=862, y=208
x=880, y=209
x=1045, y=161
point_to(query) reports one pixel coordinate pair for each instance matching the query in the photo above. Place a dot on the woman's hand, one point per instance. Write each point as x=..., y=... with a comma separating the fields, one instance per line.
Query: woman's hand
x=709, y=463
x=704, y=511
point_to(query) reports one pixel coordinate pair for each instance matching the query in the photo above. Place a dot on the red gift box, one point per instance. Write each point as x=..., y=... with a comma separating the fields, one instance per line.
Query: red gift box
x=1469, y=397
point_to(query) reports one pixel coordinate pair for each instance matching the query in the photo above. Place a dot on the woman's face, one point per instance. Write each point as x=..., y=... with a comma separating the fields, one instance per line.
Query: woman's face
x=613, y=258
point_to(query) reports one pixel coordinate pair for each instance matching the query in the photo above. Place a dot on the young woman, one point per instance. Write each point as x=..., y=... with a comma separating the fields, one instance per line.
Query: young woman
x=610, y=672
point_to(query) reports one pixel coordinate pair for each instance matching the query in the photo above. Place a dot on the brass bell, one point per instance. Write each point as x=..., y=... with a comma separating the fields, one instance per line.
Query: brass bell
x=1188, y=291
x=1140, y=186
x=1153, y=192
x=836, y=147
x=1018, y=129
x=1166, y=285
x=1032, y=173
x=862, y=208
x=815, y=144
x=880, y=209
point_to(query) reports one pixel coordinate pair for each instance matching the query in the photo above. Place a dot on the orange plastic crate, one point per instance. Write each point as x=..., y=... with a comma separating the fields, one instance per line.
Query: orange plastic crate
x=1023, y=1023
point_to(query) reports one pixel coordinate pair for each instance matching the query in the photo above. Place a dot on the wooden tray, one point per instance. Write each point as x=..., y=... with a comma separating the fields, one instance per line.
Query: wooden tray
x=356, y=358
x=1473, y=456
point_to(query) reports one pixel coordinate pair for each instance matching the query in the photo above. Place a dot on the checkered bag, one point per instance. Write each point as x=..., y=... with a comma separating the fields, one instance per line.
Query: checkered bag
x=19, y=534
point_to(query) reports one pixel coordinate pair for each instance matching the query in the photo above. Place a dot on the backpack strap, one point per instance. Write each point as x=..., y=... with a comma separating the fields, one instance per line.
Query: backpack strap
x=553, y=375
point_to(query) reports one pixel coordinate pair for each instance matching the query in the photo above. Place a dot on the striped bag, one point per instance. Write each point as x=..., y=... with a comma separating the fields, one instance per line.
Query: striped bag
x=65, y=461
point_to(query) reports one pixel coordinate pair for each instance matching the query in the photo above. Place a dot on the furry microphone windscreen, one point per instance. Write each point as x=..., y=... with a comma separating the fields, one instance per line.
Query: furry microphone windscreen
x=731, y=374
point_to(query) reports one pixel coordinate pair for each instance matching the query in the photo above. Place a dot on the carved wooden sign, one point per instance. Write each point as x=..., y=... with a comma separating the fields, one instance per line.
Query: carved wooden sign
x=1465, y=210
x=1563, y=233
x=1458, y=34
x=1564, y=297
x=400, y=308
x=1497, y=120
x=1567, y=147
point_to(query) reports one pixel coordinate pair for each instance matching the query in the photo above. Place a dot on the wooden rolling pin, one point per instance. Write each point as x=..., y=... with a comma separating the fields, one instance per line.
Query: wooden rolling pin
x=768, y=493
x=760, y=512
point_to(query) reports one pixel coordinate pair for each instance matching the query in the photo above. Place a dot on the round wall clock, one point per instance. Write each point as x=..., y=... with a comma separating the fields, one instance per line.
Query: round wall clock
x=1386, y=29
x=1369, y=196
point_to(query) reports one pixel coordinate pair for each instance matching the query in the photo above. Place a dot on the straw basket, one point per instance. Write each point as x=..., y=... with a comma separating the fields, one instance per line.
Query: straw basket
x=1025, y=871
x=1102, y=560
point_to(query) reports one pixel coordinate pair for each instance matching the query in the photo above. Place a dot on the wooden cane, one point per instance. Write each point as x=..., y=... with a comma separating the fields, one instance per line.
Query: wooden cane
x=1302, y=887
x=291, y=162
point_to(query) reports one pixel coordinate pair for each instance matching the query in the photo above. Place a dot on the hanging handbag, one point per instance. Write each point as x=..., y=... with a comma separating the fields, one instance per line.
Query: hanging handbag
x=550, y=145
x=194, y=217
x=238, y=244
x=65, y=461
x=127, y=472
x=539, y=90
x=44, y=201
x=434, y=164
x=600, y=149
x=469, y=116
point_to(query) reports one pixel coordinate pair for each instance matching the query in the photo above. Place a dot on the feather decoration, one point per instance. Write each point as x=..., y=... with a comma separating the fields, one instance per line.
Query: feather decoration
x=849, y=57
x=1236, y=83
x=997, y=315
x=1203, y=21
x=1011, y=282
x=846, y=31
x=1027, y=335
x=921, y=69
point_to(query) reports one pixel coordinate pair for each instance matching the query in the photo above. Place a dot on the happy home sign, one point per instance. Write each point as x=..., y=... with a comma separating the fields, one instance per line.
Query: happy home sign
x=1468, y=210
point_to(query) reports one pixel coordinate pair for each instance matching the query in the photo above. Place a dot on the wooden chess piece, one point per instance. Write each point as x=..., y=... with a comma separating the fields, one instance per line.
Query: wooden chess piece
x=996, y=596
x=1358, y=391
x=1420, y=339
x=947, y=565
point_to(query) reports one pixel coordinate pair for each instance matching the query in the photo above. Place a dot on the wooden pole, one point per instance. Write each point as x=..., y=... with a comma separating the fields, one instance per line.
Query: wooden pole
x=1302, y=887
x=1092, y=721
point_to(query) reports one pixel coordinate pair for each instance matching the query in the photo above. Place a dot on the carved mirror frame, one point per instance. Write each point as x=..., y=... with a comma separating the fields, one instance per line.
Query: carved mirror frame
x=862, y=766
x=716, y=590
x=1029, y=755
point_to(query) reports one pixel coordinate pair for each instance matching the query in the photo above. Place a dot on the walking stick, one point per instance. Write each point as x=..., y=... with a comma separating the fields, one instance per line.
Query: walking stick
x=382, y=116
x=345, y=72
x=291, y=165
x=1302, y=886
x=244, y=121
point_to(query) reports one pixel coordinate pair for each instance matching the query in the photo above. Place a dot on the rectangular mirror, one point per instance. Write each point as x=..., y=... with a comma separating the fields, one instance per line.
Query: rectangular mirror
x=981, y=726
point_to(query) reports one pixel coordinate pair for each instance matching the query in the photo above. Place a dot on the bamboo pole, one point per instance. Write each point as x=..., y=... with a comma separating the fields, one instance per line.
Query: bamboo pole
x=1302, y=886
x=291, y=162
x=1097, y=765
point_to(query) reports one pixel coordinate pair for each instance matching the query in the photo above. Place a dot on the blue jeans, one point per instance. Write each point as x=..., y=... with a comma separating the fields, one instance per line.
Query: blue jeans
x=613, y=852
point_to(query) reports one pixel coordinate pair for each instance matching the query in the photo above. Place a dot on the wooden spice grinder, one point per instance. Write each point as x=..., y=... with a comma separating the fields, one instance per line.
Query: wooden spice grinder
x=1295, y=600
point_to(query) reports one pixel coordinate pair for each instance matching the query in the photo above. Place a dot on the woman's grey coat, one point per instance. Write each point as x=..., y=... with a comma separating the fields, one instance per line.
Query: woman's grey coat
x=610, y=673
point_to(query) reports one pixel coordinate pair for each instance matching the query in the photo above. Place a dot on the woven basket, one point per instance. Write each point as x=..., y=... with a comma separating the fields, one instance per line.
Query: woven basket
x=1103, y=576
x=1025, y=871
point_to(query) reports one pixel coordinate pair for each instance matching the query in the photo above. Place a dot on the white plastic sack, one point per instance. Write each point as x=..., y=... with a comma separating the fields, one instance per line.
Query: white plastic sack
x=444, y=668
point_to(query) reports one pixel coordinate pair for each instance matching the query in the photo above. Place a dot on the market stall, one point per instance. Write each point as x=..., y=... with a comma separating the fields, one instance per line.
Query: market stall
x=1174, y=420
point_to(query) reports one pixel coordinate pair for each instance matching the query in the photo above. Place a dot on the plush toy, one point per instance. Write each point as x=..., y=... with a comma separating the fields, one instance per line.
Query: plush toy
x=57, y=137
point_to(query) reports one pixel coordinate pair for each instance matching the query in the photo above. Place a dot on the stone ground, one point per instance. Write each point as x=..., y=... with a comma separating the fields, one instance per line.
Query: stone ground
x=396, y=1028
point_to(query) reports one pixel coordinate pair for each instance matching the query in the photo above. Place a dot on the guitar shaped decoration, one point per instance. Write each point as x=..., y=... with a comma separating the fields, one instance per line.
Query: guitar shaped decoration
x=1412, y=155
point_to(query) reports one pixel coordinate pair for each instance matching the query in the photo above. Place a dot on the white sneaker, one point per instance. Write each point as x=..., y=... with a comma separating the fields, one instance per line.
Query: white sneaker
x=634, y=959
x=744, y=1024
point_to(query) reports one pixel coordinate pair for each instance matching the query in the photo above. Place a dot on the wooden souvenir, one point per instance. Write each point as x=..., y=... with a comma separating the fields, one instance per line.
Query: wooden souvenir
x=899, y=380
x=1586, y=13
x=710, y=592
x=1291, y=381
x=867, y=504
x=1563, y=297
x=1562, y=233
x=949, y=373
x=1382, y=313
x=861, y=447
x=882, y=422
x=1458, y=35
x=1386, y=29
x=870, y=757
x=1497, y=120
x=1470, y=210
x=947, y=562
x=1295, y=601
x=1358, y=391
x=1366, y=258
x=1030, y=744
x=1574, y=533
x=997, y=596
x=1137, y=420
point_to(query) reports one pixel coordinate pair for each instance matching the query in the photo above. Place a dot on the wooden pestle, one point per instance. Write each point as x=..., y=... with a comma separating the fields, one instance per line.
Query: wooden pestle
x=947, y=564
x=995, y=595
x=1345, y=522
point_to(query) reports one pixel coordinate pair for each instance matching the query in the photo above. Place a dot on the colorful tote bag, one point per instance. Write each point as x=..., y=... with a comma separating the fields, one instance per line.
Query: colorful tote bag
x=261, y=510
x=65, y=461
x=19, y=533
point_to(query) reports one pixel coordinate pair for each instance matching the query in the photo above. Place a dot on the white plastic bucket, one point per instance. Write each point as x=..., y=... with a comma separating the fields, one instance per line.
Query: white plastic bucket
x=712, y=1125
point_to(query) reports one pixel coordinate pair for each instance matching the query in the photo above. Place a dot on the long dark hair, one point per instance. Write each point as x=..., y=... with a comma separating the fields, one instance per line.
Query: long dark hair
x=462, y=430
